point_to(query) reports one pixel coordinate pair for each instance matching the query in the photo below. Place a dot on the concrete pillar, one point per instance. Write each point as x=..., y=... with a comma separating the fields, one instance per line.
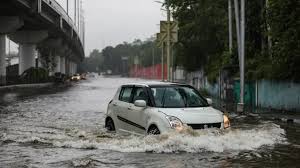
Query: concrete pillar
x=57, y=62
x=75, y=67
x=40, y=60
x=27, y=57
x=63, y=65
x=8, y=24
x=27, y=41
x=2, y=59
x=67, y=66
x=71, y=68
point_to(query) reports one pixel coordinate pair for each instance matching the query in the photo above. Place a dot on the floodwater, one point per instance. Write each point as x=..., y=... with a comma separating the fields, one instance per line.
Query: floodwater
x=63, y=127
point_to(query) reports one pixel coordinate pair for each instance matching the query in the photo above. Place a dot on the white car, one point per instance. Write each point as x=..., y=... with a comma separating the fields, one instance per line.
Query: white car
x=75, y=77
x=158, y=107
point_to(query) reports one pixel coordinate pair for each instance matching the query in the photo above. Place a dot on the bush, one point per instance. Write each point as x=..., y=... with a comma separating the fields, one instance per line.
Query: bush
x=34, y=75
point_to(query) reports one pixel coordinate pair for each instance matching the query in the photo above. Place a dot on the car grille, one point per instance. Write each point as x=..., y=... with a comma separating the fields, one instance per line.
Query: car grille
x=202, y=126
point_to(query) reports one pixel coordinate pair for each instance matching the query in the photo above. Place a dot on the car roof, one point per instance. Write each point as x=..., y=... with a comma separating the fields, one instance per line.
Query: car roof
x=154, y=83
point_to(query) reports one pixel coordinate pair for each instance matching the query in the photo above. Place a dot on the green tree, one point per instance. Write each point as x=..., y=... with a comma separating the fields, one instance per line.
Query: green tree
x=203, y=37
x=202, y=33
x=284, y=21
x=93, y=63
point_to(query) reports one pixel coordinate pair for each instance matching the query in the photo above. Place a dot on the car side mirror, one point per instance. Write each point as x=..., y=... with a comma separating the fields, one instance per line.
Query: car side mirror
x=209, y=101
x=140, y=103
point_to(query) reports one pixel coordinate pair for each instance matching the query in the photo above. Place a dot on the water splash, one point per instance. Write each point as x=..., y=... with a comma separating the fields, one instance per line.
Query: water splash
x=188, y=141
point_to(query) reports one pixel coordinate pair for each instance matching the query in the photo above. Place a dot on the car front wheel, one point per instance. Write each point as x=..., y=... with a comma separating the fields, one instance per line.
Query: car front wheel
x=153, y=130
x=109, y=124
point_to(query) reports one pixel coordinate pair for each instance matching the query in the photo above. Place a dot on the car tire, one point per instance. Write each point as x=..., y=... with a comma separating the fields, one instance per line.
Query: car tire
x=109, y=125
x=153, y=130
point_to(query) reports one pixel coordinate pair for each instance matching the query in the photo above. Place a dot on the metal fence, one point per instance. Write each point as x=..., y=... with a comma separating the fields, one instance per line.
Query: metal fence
x=262, y=94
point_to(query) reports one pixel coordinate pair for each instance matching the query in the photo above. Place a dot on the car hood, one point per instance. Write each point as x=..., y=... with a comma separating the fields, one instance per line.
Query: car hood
x=201, y=115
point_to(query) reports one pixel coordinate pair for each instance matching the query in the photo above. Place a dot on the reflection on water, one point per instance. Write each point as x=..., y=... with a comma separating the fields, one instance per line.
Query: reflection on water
x=64, y=128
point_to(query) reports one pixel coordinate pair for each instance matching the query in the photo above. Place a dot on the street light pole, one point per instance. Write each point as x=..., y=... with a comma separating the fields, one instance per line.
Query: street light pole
x=240, y=30
x=230, y=25
x=242, y=51
x=237, y=21
x=68, y=7
x=75, y=12
x=168, y=39
x=153, y=62
x=162, y=62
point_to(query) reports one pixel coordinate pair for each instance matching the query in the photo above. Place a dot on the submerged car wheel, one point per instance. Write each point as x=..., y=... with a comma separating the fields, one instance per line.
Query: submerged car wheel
x=109, y=124
x=153, y=130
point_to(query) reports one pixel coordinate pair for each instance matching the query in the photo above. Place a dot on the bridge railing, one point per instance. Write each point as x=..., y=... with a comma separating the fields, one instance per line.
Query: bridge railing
x=59, y=9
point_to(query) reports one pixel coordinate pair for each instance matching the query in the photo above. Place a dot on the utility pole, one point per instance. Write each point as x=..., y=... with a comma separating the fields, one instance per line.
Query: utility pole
x=75, y=12
x=237, y=22
x=172, y=65
x=68, y=7
x=168, y=39
x=162, y=62
x=79, y=14
x=153, y=61
x=230, y=25
x=242, y=71
x=240, y=30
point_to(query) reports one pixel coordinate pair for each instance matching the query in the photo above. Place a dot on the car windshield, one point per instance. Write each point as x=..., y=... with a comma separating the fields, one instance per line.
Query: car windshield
x=177, y=97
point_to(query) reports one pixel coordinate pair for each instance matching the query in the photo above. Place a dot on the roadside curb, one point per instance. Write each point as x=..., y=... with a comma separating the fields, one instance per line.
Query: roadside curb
x=290, y=119
x=287, y=120
x=25, y=86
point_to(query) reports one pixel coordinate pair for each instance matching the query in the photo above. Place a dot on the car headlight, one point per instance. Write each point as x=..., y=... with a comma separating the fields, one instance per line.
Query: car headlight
x=175, y=123
x=226, y=121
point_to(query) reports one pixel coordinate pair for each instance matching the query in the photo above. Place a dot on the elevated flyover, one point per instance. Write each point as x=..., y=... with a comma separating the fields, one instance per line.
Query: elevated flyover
x=43, y=29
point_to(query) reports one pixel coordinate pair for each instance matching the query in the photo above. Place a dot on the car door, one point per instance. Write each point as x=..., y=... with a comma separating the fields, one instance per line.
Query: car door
x=123, y=105
x=136, y=114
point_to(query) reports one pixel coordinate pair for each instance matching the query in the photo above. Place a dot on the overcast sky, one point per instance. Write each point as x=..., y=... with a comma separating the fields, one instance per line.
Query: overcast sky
x=111, y=22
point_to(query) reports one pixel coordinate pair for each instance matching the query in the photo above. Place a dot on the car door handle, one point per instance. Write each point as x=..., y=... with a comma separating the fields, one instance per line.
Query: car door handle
x=129, y=108
x=114, y=104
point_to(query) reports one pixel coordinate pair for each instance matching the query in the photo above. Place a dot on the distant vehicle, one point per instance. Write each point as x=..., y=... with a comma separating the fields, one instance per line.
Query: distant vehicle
x=59, y=77
x=83, y=76
x=158, y=107
x=91, y=75
x=109, y=72
x=75, y=77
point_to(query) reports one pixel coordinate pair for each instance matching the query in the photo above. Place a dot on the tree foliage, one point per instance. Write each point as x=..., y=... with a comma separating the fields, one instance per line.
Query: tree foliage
x=111, y=57
x=203, y=37
x=92, y=63
x=284, y=21
x=202, y=31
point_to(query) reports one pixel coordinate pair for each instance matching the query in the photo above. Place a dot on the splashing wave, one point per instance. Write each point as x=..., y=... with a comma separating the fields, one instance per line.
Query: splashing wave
x=189, y=141
x=213, y=140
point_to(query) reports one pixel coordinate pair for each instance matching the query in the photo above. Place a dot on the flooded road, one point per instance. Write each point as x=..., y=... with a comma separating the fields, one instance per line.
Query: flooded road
x=63, y=127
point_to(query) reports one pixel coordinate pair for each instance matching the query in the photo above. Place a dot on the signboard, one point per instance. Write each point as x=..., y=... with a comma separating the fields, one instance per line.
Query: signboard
x=124, y=58
x=164, y=26
x=161, y=38
x=173, y=30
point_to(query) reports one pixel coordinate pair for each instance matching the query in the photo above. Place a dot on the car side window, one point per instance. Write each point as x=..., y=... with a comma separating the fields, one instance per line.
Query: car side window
x=125, y=94
x=139, y=94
